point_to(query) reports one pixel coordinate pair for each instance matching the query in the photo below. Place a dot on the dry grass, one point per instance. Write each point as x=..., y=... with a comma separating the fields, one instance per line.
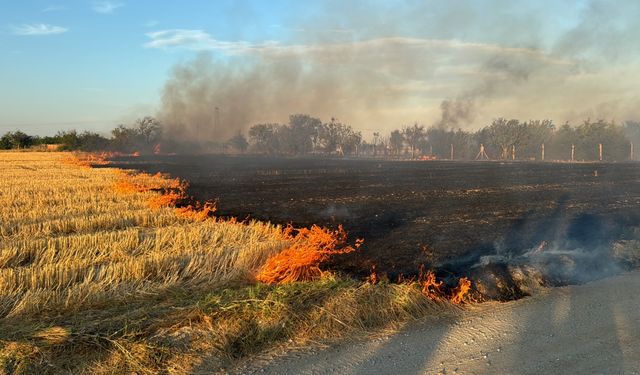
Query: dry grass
x=94, y=280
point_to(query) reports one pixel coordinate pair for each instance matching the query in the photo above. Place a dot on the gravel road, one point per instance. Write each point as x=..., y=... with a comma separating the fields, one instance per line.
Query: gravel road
x=585, y=329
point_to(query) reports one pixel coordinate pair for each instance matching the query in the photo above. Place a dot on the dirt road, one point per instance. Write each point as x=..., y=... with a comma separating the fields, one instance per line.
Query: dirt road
x=586, y=329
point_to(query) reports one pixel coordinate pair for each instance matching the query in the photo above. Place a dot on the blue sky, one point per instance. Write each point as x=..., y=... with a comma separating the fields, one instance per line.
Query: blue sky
x=94, y=64
x=95, y=71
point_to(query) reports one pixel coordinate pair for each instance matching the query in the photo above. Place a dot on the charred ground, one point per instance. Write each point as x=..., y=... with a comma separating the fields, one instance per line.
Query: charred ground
x=446, y=215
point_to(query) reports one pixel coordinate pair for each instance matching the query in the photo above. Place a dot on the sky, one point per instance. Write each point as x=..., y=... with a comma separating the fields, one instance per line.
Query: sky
x=377, y=65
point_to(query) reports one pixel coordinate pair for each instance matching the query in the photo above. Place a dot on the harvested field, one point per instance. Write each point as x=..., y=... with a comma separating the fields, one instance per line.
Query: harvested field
x=100, y=274
x=443, y=214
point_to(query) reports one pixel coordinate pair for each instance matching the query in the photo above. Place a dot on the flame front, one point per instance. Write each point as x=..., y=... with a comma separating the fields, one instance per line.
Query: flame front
x=301, y=261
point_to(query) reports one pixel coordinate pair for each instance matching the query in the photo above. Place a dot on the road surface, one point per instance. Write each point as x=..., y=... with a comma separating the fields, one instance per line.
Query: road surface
x=584, y=329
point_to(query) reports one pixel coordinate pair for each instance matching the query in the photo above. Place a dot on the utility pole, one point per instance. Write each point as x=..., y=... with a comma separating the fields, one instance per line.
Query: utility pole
x=452, y=151
x=376, y=135
x=216, y=126
x=513, y=152
x=631, y=156
x=216, y=120
x=573, y=152
x=600, y=151
x=542, y=152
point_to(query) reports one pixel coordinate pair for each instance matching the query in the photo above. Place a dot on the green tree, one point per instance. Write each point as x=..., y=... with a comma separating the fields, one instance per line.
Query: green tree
x=124, y=138
x=69, y=140
x=505, y=134
x=590, y=134
x=16, y=139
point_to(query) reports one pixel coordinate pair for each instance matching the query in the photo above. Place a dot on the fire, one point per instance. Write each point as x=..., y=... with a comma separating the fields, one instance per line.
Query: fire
x=174, y=190
x=301, y=261
x=126, y=186
x=309, y=247
x=431, y=287
x=196, y=212
x=96, y=158
x=435, y=289
x=170, y=198
x=460, y=293
x=88, y=160
x=373, y=276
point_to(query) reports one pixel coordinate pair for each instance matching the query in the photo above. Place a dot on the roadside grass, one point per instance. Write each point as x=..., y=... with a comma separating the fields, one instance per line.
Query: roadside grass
x=94, y=280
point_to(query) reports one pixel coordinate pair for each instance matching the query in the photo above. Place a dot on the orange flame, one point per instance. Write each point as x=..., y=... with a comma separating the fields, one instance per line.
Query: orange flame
x=126, y=186
x=431, y=287
x=174, y=190
x=168, y=199
x=459, y=293
x=301, y=261
x=373, y=276
x=434, y=289
x=197, y=213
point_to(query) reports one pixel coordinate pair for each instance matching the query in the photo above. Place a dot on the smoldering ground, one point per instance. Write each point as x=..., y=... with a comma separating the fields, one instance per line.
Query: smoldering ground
x=377, y=67
x=569, y=249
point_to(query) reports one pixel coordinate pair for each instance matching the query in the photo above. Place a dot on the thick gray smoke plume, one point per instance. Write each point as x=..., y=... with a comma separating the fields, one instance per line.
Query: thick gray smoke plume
x=264, y=88
x=453, y=64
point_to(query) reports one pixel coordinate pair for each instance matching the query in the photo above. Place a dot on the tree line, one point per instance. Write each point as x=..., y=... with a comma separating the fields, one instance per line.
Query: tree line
x=502, y=139
x=142, y=136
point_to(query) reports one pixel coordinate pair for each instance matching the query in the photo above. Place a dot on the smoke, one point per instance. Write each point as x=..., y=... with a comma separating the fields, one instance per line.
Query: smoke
x=456, y=113
x=501, y=74
x=561, y=249
x=265, y=88
x=453, y=64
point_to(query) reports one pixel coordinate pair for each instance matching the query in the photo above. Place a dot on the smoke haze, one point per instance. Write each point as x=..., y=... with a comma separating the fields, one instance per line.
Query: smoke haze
x=379, y=67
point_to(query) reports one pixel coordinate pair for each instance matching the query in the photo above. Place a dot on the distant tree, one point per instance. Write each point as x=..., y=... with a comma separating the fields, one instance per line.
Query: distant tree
x=376, y=136
x=149, y=130
x=68, y=139
x=264, y=137
x=631, y=130
x=414, y=136
x=5, y=141
x=336, y=136
x=439, y=141
x=396, y=142
x=301, y=135
x=124, y=138
x=144, y=135
x=537, y=132
x=239, y=142
x=49, y=140
x=506, y=134
x=90, y=141
x=590, y=134
x=561, y=142
x=16, y=139
x=463, y=144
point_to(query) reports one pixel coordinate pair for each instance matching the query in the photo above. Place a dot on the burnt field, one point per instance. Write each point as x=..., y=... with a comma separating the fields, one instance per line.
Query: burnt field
x=446, y=215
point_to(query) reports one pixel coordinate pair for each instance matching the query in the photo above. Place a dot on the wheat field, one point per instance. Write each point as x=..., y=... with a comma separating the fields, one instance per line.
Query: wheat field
x=94, y=280
x=69, y=241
